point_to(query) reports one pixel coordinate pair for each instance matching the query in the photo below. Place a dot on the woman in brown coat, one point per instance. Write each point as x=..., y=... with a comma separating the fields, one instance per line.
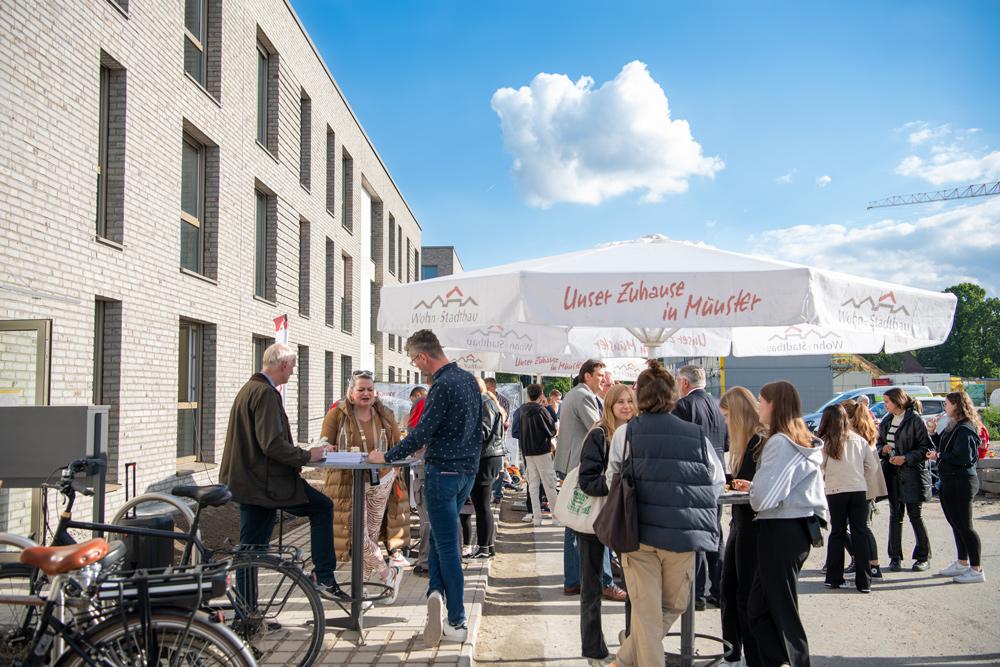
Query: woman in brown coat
x=362, y=421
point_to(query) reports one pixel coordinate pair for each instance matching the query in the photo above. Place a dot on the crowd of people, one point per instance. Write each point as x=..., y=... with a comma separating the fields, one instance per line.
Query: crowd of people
x=679, y=449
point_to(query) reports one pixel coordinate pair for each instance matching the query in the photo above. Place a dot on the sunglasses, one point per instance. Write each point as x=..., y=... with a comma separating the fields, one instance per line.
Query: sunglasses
x=364, y=374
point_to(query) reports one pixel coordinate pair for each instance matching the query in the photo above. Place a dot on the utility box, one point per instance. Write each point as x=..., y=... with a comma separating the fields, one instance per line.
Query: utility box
x=37, y=441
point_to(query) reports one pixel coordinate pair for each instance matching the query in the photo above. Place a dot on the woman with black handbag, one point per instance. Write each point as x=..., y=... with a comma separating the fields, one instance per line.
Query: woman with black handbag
x=676, y=479
x=619, y=406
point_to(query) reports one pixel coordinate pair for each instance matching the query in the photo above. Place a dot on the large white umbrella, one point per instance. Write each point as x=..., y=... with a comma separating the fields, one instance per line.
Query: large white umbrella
x=674, y=298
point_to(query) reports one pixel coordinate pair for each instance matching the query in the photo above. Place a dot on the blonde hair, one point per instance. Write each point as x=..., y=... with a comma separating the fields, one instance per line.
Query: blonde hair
x=608, y=422
x=966, y=410
x=861, y=420
x=743, y=423
x=486, y=392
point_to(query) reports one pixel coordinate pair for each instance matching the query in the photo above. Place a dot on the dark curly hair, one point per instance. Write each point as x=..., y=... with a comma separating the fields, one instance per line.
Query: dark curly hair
x=655, y=389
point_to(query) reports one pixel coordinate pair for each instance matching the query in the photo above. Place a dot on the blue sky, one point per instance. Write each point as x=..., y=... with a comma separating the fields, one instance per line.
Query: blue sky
x=879, y=98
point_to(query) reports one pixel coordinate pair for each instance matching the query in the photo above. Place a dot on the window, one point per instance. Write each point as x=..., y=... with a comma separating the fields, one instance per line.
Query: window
x=392, y=244
x=416, y=264
x=189, y=390
x=260, y=343
x=267, y=94
x=195, y=37
x=392, y=374
x=107, y=370
x=409, y=265
x=347, y=174
x=302, y=371
x=347, y=302
x=331, y=160
x=192, y=205
x=373, y=315
x=265, y=245
x=376, y=230
x=399, y=252
x=327, y=380
x=428, y=271
x=304, y=263
x=305, y=141
x=110, y=166
x=328, y=283
x=346, y=368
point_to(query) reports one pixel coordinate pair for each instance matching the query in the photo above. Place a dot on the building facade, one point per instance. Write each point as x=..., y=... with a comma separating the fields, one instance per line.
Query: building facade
x=440, y=260
x=177, y=178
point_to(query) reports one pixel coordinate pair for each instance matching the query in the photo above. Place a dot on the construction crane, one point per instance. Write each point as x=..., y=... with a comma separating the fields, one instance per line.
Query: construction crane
x=961, y=192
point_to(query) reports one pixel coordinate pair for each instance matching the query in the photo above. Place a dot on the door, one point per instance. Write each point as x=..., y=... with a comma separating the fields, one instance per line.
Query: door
x=25, y=363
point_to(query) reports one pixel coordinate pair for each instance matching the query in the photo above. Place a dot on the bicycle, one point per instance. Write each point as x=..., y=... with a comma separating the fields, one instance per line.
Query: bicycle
x=153, y=618
x=274, y=604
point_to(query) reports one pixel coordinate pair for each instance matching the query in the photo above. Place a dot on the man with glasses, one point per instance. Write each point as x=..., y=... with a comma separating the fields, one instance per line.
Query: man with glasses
x=262, y=467
x=451, y=430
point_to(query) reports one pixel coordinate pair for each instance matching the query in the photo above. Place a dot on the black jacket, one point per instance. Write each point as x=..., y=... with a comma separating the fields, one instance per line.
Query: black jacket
x=594, y=463
x=910, y=482
x=958, y=450
x=536, y=429
x=699, y=407
x=492, y=429
x=742, y=513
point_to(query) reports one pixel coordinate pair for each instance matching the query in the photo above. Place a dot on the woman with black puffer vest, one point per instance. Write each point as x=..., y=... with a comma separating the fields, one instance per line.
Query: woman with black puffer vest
x=957, y=454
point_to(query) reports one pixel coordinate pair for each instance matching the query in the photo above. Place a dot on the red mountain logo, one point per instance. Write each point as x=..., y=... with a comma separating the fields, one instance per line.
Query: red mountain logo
x=453, y=297
x=469, y=359
x=886, y=301
x=795, y=333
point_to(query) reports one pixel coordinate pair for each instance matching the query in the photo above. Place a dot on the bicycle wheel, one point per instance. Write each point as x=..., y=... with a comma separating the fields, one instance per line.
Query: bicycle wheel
x=181, y=639
x=275, y=608
x=17, y=622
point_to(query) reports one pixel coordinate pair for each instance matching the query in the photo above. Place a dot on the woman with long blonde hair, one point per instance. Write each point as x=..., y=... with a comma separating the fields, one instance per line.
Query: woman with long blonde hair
x=788, y=495
x=746, y=437
x=862, y=423
x=619, y=407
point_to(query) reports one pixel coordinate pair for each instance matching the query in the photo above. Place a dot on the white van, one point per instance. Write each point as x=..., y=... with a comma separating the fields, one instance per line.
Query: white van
x=874, y=395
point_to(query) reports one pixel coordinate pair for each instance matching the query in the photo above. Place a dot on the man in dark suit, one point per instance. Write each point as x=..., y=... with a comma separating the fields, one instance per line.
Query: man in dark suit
x=699, y=407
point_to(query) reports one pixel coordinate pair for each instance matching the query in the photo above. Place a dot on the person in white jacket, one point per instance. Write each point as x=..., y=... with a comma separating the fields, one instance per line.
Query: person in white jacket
x=848, y=463
x=788, y=495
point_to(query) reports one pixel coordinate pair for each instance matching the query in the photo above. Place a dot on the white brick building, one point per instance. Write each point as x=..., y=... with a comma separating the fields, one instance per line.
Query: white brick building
x=175, y=175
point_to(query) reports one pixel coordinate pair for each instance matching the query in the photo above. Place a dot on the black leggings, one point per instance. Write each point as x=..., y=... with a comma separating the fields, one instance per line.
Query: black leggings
x=957, y=492
x=482, y=491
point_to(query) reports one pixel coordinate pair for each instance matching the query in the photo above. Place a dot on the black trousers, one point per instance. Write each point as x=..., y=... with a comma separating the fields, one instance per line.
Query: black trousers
x=739, y=566
x=957, y=492
x=782, y=548
x=897, y=510
x=869, y=536
x=482, y=491
x=708, y=568
x=591, y=590
x=848, y=508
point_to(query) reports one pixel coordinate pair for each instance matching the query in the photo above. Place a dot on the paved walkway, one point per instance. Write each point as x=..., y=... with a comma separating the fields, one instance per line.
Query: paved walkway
x=394, y=634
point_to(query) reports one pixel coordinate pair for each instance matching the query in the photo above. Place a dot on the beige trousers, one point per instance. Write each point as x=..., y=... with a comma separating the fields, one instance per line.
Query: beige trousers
x=659, y=585
x=376, y=498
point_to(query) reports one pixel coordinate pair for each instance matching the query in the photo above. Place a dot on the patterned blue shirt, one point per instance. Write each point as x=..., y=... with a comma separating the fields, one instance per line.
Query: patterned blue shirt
x=451, y=426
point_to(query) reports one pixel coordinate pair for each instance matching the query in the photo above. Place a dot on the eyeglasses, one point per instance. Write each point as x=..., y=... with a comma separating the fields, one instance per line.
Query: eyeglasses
x=368, y=375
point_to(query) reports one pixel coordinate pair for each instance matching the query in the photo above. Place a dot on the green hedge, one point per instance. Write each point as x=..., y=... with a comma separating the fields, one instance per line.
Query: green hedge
x=991, y=419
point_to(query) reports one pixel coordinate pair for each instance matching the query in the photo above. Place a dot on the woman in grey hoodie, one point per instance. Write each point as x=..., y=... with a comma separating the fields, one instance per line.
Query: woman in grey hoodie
x=788, y=495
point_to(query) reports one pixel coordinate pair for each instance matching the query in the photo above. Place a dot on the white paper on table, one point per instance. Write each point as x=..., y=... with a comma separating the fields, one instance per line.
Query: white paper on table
x=346, y=458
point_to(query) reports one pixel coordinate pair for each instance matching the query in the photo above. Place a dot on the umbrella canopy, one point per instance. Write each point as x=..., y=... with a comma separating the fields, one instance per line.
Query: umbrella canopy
x=664, y=293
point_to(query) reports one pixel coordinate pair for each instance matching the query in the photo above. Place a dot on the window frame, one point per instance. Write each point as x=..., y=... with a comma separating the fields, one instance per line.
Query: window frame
x=196, y=221
x=260, y=244
x=195, y=383
x=263, y=65
x=200, y=44
x=103, y=138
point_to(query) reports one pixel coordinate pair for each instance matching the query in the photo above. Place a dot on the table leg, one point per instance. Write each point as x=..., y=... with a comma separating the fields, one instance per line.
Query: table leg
x=687, y=624
x=357, y=549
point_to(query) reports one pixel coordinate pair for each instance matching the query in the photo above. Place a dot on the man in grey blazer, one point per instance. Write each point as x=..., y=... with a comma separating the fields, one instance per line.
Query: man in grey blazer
x=579, y=410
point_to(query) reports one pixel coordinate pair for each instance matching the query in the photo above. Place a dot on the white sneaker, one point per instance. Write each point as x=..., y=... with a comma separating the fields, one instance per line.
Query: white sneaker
x=953, y=570
x=397, y=559
x=432, y=628
x=466, y=552
x=454, y=633
x=395, y=579
x=527, y=518
x=970, y=576
x=556, y=522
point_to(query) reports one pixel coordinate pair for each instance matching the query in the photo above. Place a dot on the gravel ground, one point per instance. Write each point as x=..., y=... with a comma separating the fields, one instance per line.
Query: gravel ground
x=910, y=618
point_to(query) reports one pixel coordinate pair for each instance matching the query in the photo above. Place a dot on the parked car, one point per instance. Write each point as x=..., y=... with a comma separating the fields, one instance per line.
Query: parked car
x=874, y=395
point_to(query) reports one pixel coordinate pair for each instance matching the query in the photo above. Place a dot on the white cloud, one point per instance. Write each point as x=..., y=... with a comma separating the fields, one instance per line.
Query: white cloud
x=575, y=143
x=786, y=178
x=933, y=251
x=946, y=156
x=823, y=181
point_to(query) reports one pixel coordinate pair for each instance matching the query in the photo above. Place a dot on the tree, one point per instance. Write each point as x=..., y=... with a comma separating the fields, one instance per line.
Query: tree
x=890, y=363
x=973, y=348
x=562, y=384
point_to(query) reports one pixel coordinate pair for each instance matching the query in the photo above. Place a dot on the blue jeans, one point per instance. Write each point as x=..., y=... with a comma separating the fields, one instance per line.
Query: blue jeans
x=444, y=494
x=571, y=562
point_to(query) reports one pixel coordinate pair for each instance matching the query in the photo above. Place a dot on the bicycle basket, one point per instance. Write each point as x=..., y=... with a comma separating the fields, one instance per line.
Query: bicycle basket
x=186, y=586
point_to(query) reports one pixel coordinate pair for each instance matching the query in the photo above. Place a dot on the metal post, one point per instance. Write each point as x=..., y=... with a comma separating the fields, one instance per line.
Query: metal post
x=687, y=624
x=357, y=550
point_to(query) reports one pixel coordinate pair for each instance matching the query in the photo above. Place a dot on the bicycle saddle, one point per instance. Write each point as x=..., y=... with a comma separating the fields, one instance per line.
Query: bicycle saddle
x=60, y=560
x=215, y=495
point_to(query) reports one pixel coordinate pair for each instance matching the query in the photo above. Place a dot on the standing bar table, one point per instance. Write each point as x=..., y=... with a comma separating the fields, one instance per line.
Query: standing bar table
x=359, y=471
x=687, y=634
